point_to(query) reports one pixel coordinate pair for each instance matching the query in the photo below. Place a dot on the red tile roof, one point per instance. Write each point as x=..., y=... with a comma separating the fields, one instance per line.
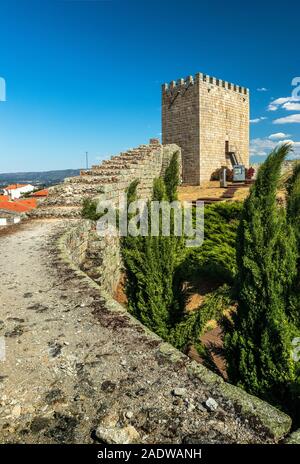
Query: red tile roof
x=19, y=206
x=32, y=202
x=40, y=193
x=4, y=197
x=15, y=186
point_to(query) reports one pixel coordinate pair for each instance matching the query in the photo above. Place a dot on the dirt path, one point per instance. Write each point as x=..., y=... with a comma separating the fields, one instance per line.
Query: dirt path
x=70, y=365
x=42, y=329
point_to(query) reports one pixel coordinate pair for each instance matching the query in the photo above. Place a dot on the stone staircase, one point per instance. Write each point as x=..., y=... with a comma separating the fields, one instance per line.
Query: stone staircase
x=108, y=180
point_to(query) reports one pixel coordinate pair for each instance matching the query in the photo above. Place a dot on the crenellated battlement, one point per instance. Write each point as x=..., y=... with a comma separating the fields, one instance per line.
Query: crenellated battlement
x=200, y=77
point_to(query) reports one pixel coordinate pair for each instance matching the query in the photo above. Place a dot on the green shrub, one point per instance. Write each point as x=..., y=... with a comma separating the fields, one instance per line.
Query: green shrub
x=189, y=330
x=216, y=258
x=89, y=210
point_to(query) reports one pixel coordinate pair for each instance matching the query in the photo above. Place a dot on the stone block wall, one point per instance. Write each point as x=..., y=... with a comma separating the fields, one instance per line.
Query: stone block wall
x=99, y=257
x=180, y=124
x=102, y=261
x=201, y=114
x=76, y=241
x=109, y=179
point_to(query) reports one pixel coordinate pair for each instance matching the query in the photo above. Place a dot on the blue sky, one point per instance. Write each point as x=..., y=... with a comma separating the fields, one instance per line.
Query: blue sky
x=86, y=75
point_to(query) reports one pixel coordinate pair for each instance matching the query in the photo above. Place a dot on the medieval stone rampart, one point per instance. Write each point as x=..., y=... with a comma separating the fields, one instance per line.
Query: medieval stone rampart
x=109, y=179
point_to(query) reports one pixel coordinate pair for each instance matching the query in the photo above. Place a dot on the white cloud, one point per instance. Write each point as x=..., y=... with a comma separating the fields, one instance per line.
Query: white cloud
x=293, y=118
x=281, y=100
x=295, y=147
x=281, y=142
x=256, y=120
x=291, y=106
x=263, y=146
x=295, y=144
x=285, y=103
x=294, y=156
x=262, y=89
x=278, y=136
x=272, y=107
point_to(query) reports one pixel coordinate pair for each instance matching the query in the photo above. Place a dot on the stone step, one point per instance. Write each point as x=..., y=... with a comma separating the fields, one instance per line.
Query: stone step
x=123, y=162
x=75, y=200
x=87, y=179
x=107, y=172
x=130, y=156
x=79, y=186
x=55, y=211
x=105, y=168
x=105, y=181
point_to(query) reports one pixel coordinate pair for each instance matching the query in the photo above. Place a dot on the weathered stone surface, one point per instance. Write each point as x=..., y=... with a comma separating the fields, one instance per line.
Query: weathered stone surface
x=110, y=432
x=293, y=438
x=275, y=422
x=179, y=391
x=211, y=404
x=271, y=419
x=169, y=352
x=16, y=411
x=204, y=374
x=99, y=257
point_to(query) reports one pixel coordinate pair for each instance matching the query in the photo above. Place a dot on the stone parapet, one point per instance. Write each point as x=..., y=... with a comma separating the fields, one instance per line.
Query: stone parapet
x=191, y=80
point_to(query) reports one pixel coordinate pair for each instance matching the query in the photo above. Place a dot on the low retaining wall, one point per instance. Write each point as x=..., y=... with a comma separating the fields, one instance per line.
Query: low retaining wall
x=79, y=246
x=98, y=257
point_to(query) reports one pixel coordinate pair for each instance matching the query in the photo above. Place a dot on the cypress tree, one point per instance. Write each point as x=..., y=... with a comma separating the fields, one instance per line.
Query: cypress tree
x=131, y=191
x=151, y=262
x=171, y=178
x=159, y=190
x=293, y=200
x=258, y=349
x=153, y=284
x=154, y=278
x=293, y=213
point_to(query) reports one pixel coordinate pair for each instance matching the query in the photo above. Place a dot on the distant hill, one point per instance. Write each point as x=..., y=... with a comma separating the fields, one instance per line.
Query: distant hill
x=45, y=178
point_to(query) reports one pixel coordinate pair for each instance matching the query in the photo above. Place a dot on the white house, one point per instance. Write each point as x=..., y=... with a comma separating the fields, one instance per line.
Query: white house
x=8, y=218
x=15, y=191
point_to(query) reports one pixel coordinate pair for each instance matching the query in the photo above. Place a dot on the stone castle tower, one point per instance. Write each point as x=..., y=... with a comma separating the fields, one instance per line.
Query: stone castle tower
x=209, y=119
